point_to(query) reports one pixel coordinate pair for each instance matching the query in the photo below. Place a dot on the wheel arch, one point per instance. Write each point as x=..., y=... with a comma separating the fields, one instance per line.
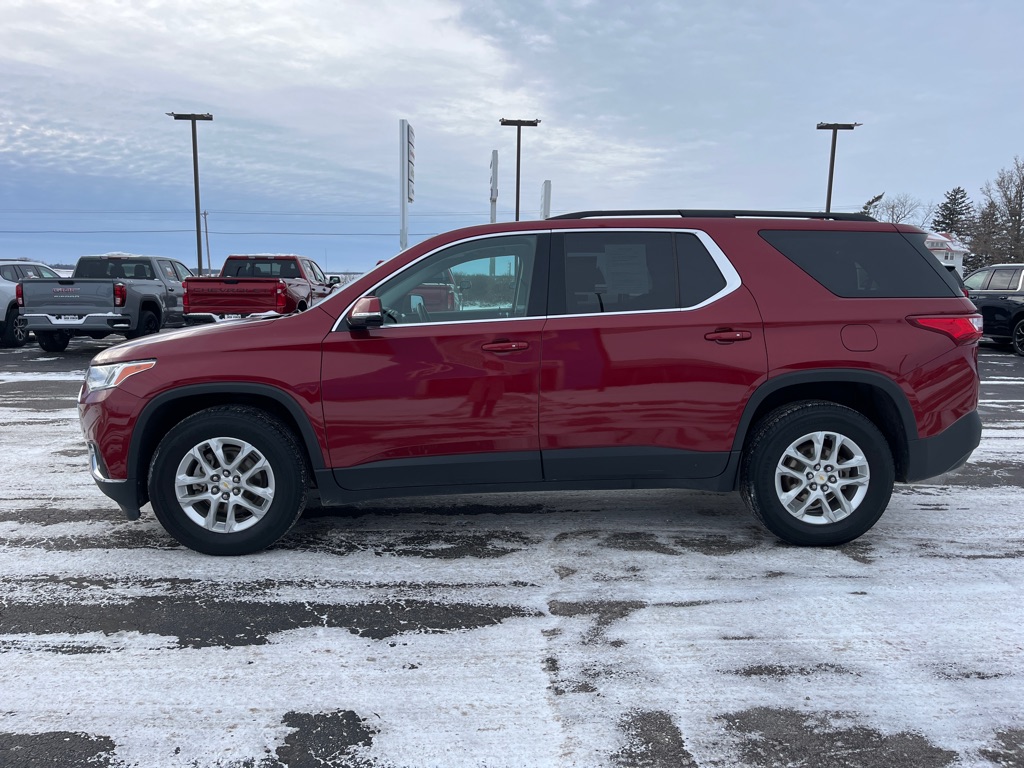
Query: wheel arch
x=152, y=305
x=875, y=396
x=169, y=408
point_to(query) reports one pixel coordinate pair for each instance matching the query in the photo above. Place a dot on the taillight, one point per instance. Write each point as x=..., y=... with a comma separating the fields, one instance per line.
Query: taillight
x=120, y=294
x=20, y=293
x=962, y=329
x=282, y=296
x=184, y=298
x=451, y=301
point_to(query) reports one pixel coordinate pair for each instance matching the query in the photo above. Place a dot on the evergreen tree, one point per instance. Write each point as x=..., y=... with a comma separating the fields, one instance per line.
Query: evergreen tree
x=871, y=205
x=987, y=239
x=955, y=214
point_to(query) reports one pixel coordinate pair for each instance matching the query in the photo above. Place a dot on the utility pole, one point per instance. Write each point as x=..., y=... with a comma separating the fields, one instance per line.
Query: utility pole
x=195, y=176
x=519, y=124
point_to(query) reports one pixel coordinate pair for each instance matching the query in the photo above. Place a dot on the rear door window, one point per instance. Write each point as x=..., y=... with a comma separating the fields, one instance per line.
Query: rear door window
x=862, y=264
x=602, y=272
x=622, y=271
x=1004, y=279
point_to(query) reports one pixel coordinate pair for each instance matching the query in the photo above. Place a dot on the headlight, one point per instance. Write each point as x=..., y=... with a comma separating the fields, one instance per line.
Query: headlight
x=107, y=376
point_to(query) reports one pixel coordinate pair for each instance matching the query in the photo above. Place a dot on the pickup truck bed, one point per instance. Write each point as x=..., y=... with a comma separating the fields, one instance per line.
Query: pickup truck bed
x=254, y=284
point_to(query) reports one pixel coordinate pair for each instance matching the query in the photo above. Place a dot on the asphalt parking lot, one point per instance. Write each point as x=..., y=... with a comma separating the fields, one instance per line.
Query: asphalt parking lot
x=645, y=628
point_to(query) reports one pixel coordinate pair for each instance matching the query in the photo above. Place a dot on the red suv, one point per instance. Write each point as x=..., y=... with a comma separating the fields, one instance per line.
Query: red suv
x=807, y=360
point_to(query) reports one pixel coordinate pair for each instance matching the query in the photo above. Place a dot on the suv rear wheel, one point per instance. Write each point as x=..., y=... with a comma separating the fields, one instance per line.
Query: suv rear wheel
x=1017, y=340
x=229, y=480
x=15, y=332
x=817, y=473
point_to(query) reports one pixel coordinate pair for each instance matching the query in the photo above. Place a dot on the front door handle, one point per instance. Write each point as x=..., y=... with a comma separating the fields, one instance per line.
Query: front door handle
x=505, y=346
x=727, y=335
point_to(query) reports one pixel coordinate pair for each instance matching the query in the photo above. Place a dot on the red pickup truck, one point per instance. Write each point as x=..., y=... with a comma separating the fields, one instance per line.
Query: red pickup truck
x=255, y=284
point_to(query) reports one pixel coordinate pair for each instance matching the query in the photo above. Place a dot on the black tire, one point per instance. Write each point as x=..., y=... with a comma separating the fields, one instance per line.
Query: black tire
x=793, y=497
x=15, y=333
x=149, y=323
x=53, y=341
x=1017, y=340
x=234, y=518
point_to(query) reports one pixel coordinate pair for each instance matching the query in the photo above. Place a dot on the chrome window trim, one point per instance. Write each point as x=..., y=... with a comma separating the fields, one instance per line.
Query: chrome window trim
x=732, y=277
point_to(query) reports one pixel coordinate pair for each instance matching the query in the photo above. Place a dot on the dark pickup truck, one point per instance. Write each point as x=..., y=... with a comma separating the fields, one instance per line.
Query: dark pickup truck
x=113, y=293
x=256, y=284
x=998, y=293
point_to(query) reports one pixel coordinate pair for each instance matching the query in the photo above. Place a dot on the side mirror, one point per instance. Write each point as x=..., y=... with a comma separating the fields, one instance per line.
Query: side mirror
x=334, y=280
x=367, y=312
x=465, y=285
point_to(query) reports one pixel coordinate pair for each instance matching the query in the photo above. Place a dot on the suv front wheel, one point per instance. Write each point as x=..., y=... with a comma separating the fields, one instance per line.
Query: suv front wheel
x=229, y=480
x=817, y=473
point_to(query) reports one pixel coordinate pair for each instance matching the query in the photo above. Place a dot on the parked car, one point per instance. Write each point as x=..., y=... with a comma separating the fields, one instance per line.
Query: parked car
x=807, y=360
x=998, y=293
x=254, y=284
x=12, y=271
x=113, y=293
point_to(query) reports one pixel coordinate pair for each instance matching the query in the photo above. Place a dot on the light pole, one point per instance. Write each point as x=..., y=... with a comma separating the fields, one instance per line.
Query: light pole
x=835, y=128
x=195, y=176
x=519, y=144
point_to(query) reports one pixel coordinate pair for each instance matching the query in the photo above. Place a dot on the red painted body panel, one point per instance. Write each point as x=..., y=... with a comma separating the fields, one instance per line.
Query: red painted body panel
x=430, y=390
x=650, y=379
x=280, y=353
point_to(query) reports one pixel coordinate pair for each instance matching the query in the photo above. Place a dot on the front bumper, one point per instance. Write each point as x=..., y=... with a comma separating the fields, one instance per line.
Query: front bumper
x=126, y=493
x=106, y=417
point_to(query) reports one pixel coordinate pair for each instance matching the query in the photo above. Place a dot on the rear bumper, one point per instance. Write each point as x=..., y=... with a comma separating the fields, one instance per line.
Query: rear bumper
x=944, y=452
x=105, y=322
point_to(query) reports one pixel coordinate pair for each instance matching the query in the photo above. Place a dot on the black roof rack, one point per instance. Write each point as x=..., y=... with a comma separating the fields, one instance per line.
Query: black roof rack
x=713, y=214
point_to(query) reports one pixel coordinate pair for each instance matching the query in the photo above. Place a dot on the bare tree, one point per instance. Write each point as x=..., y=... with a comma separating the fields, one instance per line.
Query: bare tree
x=901, y=209
x=1004, y=198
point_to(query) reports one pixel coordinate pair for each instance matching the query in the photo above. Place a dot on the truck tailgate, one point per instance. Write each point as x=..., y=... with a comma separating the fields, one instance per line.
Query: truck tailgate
x=71, y=296
x=231, y=295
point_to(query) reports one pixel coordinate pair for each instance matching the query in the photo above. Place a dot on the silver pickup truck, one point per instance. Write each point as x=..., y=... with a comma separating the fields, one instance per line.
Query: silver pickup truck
x=112, y=293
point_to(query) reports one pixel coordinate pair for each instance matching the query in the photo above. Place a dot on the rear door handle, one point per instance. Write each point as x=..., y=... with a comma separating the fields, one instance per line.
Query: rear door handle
x=505, y=346
x=727, y=335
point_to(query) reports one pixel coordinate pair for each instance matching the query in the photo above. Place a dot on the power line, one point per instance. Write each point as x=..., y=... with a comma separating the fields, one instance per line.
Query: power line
x=214, y=211
x=179, y=231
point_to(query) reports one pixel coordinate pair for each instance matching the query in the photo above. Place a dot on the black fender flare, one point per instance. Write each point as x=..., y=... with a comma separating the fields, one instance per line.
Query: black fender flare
x=827, y=376
x=307, y=433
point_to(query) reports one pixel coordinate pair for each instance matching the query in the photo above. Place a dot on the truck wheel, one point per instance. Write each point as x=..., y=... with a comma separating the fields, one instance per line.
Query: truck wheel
x=53, y=341
x=15, y=334
x=148, y=323
x=816, y=473
x=229, y=480
x=1017, y=342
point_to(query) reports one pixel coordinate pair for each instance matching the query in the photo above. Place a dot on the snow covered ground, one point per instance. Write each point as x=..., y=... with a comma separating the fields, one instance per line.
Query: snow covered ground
x=653, y=628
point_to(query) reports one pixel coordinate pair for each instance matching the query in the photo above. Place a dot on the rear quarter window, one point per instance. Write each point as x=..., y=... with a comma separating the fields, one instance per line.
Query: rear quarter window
x=879, y=265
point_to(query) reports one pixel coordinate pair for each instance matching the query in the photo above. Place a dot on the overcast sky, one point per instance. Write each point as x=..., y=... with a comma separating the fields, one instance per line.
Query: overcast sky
x=662, y=104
